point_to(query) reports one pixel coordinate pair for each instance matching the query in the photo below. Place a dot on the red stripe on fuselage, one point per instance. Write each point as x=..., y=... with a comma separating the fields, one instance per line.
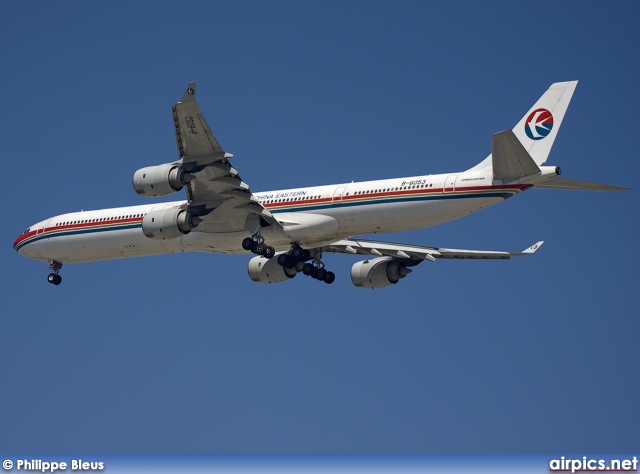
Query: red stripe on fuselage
x=68, y=227
x=402, y=193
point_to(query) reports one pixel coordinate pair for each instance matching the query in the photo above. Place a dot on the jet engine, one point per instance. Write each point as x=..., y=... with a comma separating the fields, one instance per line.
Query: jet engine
x=168, y=223
x=262, y=270
x=160, y=180
x=379, y=272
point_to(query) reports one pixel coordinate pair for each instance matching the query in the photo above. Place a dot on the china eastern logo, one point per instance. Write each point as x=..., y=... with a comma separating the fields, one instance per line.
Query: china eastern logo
x=539, y=124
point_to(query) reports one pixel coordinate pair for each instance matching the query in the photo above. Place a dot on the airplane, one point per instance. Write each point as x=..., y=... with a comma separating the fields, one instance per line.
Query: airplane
x=290, y=230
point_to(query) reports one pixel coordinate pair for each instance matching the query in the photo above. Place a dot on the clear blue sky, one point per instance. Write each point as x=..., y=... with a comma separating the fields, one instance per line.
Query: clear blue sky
x=185, y=354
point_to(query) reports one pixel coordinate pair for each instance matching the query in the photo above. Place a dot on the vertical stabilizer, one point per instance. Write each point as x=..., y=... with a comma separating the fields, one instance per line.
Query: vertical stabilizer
x=538, y=128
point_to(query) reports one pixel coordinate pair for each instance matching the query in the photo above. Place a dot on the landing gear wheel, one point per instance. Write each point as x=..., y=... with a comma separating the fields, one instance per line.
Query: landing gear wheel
x=282, y=259
x=321, y=274
x=297, y=253
x=307, y=269
x=54, y=279
x=261, y=248
x=330, y=278
x=247, y=243
x=269, y=253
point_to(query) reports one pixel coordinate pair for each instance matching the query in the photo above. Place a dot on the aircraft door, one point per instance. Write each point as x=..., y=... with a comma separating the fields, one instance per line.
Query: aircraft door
x=44, y=226
x=337, y=195
x=450, y=184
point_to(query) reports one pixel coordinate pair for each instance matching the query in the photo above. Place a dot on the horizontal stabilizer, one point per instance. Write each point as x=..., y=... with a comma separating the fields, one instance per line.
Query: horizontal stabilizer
x=564, y=183
x=510, y=159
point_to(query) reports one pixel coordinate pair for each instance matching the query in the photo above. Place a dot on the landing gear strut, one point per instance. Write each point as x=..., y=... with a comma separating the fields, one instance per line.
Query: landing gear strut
x=257, y=245
x=54, y=278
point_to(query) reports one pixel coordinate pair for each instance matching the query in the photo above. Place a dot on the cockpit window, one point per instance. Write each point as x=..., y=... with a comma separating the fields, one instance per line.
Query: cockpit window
x=27, y=231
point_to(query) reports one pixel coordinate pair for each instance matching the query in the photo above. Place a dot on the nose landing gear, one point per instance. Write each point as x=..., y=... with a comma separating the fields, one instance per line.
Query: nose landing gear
x=54, y=278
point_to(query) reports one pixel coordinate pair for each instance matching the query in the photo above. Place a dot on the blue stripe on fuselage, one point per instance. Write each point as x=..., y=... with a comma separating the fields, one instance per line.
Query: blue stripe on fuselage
x=386, y=200
x=52, y=234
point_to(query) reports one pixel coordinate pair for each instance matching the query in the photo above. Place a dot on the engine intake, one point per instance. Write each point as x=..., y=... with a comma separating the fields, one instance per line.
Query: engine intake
x=378, y=273
x=168, y=223
x=160, y=180
x=262, y=270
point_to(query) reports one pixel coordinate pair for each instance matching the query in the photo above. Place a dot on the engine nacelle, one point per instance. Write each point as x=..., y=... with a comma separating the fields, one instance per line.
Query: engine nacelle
x=378, y=273
x=263, y=270
x=168, y=223
x=160, y=180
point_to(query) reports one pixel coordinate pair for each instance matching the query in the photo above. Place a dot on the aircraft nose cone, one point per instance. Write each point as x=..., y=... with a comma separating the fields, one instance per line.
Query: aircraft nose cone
x=15, y=244
x=21, y=241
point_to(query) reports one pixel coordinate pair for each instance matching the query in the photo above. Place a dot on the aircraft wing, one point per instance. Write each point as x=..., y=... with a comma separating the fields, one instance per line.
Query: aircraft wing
x=215, y=192
x=373, y=248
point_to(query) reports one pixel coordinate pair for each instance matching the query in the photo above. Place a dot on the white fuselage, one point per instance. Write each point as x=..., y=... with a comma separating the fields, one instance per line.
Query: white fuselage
x=312, y=217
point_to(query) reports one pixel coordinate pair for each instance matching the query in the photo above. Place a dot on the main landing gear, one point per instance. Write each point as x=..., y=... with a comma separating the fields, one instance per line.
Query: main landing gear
x=296, y=257
x=256, y=245
x=54, y=278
